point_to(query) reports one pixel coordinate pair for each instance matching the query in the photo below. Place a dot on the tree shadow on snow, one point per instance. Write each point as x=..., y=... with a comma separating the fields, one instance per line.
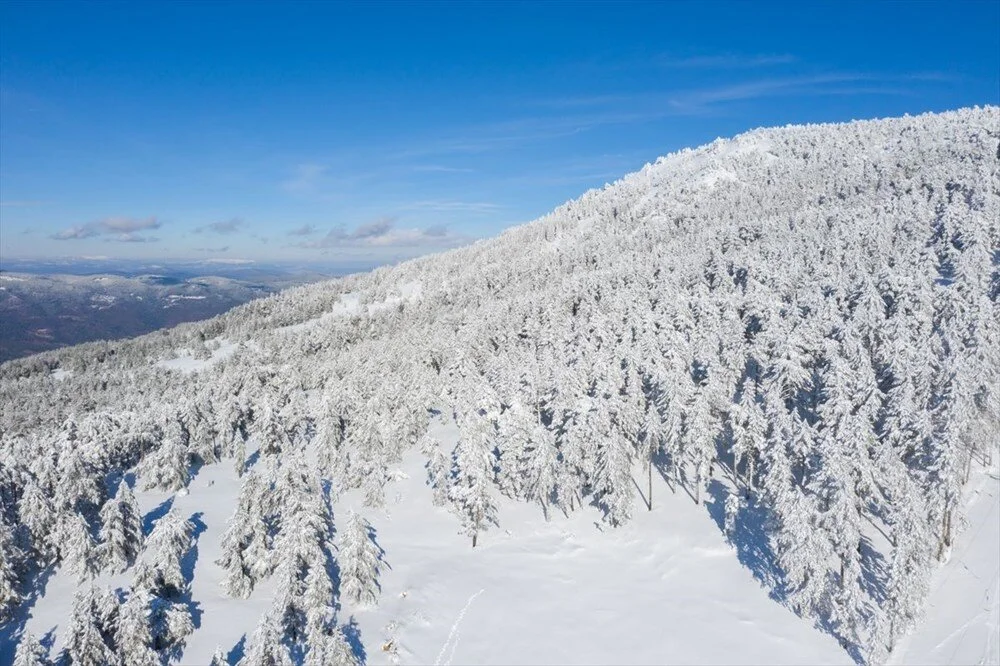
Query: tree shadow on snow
x=12, y=630
x=352, y=632
x=749, y=538
x=236, y=654
x=874, y=571
x=190, y=558
x=149, y=520
x=753, y=549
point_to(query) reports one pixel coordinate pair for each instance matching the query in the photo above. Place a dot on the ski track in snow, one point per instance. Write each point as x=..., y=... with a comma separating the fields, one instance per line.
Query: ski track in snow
x=453, y=636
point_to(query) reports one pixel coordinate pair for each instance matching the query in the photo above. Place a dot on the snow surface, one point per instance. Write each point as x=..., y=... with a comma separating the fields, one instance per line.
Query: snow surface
x=186, y=363
x=350, y=304
x=347, y=305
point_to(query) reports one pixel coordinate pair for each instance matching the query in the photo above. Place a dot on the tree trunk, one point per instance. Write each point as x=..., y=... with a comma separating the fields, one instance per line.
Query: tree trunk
x=650, y=491
x=474, y=536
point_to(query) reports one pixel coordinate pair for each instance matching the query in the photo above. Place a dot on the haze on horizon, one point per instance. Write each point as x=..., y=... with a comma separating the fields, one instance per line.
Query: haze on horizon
x=368, y=133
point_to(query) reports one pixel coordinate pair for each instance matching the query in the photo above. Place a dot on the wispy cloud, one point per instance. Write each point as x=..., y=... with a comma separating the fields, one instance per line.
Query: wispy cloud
x=122, y=229
x=700, y=99
x=520, y=131
x=76, y=232
x=304, y=230
x=383, y=233
x=725, y=61
x=442, y=206
x=226, y=227
x=306, y=178
x=23, y=203
x=439, y=168
x=224, y=248
x=375, y=229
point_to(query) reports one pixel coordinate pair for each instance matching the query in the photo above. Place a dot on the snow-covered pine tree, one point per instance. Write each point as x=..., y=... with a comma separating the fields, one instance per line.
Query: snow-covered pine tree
x=38, y=514
x=166, y=547
x=265, y=646
x=167, y=468
x=85, y=644
x=612, y=483
x=77, y=548
x=246, y=544
x=438, y=468
x=10, y=554
x=330, y=648
x=78, y=485
x=472, y=477
x=135, y=640
x=360, y=559
x=170, y=625
x=121, y=530
x=219, y=658
x=542, y=482
x=30, y=652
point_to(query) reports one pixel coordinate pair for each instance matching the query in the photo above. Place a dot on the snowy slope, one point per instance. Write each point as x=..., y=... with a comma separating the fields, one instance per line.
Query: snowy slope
x=667, y=588
x=798, y=329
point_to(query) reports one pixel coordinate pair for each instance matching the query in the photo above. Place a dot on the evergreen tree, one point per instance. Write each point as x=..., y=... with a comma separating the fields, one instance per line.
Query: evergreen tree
x=85, y=644
x=10, y=554
x=135, y=640
x=30, y=652
x=246, y=544
x=77, y=548
x=266, y=647
x=169, y=542
x=38, y=514
x=330, y=648
x=360, y=559
x=121, y=530
x=168, y=468
x=473, y=472
x=219, y=658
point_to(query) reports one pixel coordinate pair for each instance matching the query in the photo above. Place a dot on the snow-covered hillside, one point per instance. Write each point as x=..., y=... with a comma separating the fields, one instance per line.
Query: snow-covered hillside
x=738, y=407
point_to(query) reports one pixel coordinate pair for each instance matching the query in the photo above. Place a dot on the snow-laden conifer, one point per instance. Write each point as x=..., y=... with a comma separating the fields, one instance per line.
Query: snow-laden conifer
x=472, y=478
x=135, y=640
x=85, y=644
x=162, y=567
x=30, y=652
x=265, y=647
x=359, y=559
x=121, y=530
x=168, y=468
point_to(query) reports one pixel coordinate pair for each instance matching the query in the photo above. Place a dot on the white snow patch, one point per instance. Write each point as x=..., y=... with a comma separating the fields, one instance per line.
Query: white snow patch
x=11, y=278
x=712, y=178
x=186, y=363
x=60, y=374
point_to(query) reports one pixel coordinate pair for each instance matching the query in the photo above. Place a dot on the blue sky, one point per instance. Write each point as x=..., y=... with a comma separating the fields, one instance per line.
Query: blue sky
x=332, y=132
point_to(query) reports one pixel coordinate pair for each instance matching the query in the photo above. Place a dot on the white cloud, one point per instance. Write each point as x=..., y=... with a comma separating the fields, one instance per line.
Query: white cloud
x=306, y=179
x=122, y=229
x=383, y=233
x=226, y=227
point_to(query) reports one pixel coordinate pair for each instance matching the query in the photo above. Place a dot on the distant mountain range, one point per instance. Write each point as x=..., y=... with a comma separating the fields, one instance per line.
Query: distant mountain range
x=40, y=312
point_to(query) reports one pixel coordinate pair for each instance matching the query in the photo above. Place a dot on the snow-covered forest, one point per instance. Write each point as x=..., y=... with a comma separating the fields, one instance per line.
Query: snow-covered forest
x=804, y=321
